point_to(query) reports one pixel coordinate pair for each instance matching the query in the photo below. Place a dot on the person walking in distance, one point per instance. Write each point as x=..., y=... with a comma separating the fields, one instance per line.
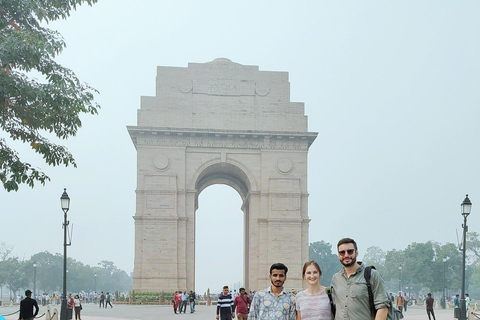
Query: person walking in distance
x=313, y=303
x=348, y=280
x=191, y=300
x=107, y=300
x=400, y=301
x=274, y=302
x=242, y=304
x=225, y=305
x=429, y=304
x=26, y=307
x=102, y=300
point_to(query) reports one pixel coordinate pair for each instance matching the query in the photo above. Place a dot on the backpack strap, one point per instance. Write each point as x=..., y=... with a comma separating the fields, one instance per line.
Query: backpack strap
x=333, y=307
x=367, y=275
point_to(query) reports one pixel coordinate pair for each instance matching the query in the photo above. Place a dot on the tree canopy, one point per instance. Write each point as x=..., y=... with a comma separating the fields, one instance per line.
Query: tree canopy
x=32, y=108
x=17, y=274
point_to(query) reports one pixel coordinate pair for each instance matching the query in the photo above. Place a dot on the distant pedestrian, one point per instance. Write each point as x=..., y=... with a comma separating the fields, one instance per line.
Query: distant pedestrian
x=102, y=300
x=225, y=306
x=400, y=301
x=70, y=305
x=107, y=300
x=26, y=307
x=78, y=307
x=183, y=306
x=429, y=303
x=242, y=304
x=177, y=297
x=191, y=300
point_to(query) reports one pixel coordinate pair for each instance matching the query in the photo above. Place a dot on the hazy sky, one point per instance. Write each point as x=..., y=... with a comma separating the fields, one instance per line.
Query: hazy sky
x=392, y=88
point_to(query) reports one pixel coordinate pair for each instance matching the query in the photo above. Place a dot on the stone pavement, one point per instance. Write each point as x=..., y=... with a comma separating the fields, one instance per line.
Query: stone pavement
x=148, y=312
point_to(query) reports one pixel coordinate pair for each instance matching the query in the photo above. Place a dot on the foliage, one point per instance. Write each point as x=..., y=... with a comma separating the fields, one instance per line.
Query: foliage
x=374, y=256
x=150, y=297
x=29, y=107
x=12, y=273
x=321, y=252
x=49, y=275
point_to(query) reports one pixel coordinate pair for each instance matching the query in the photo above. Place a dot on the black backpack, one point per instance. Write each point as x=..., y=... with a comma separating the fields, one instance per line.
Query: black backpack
x=393, y=313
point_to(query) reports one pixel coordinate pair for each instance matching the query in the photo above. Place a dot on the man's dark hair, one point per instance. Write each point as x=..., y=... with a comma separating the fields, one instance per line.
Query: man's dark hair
x=241, y=289
x=279, y=266
x=28, y=293
x=225, y=287
x=347, y=240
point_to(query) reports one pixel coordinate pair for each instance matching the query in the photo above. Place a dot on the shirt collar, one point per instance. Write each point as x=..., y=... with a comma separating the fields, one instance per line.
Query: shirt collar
x=269, y=290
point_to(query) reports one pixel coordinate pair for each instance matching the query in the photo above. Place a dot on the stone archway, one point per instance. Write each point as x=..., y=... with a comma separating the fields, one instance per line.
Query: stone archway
x=219, y=122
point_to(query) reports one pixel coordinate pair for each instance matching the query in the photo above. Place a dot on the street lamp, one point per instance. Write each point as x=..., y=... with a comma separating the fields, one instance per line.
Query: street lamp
x=65, y=202
x=444, y=305
x=95, y=284
x=466, y=208
x=34, y=280
x=399, y=278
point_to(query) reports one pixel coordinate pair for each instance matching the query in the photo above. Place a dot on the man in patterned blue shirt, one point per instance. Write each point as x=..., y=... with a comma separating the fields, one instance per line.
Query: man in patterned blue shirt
x=274, y=303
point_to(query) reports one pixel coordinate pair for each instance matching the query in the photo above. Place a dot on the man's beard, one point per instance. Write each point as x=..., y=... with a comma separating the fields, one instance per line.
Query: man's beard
x=351, y=263
x=275, y=285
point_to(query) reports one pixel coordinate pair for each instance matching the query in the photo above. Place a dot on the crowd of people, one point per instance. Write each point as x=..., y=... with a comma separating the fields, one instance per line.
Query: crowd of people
x=29, y=306
x=180, y=301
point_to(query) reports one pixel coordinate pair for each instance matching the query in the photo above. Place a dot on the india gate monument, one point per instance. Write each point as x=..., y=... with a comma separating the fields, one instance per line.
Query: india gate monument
x=220, y=122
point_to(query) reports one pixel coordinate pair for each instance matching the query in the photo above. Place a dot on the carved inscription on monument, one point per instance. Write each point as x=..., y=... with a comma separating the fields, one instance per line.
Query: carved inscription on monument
x=224, y=87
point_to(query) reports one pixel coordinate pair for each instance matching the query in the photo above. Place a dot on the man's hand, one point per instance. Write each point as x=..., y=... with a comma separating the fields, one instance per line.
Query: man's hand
x=233, y=315
x=217, y=317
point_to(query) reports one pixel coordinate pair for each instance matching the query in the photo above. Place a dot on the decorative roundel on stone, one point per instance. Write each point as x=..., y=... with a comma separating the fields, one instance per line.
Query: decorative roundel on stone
x=161, y=162
x=284, y=165
x=185, y=86
x=262, y=89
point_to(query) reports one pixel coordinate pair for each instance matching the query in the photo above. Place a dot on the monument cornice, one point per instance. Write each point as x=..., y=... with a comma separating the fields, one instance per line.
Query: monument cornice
x=174, y=137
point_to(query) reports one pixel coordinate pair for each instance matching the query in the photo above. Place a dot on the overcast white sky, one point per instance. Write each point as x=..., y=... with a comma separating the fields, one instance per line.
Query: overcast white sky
x=392, y=88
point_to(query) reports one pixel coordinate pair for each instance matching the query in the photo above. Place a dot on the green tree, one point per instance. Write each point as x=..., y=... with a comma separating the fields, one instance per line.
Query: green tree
x=31, y=108
x=374, y=256
x=14, y=276
x=49, y=271
x=321, y=252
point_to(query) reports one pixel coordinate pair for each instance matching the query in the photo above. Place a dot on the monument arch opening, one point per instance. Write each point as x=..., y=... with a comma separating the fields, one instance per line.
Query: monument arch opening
x=231, y=175
x=219, y=239
x=219, y=122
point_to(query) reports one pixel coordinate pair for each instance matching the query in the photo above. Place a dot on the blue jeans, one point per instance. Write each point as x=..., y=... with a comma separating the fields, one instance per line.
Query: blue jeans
x=192, y=306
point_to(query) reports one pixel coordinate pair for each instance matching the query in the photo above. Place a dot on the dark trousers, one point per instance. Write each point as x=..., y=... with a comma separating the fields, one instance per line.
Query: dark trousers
x=428, y=313
x=77, y=313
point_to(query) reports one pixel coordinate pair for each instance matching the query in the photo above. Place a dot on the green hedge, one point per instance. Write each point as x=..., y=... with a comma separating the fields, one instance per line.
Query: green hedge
x=151, y=297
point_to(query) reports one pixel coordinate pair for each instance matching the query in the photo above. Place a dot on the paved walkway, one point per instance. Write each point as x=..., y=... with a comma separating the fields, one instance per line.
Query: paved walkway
x=146, y=312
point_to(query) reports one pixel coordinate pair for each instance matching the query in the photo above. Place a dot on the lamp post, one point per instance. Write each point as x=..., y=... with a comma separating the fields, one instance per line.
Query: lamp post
x=95, y=284
x=466, y=208
x=65, y=201
x=34, y=280
x=399, y=278
x=444, y=305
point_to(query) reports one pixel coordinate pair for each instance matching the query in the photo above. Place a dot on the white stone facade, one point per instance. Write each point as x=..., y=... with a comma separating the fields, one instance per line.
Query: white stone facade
x=210, y=123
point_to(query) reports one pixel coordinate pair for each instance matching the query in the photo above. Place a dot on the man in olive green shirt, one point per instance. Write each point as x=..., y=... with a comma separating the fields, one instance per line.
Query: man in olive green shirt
x=350, y=292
